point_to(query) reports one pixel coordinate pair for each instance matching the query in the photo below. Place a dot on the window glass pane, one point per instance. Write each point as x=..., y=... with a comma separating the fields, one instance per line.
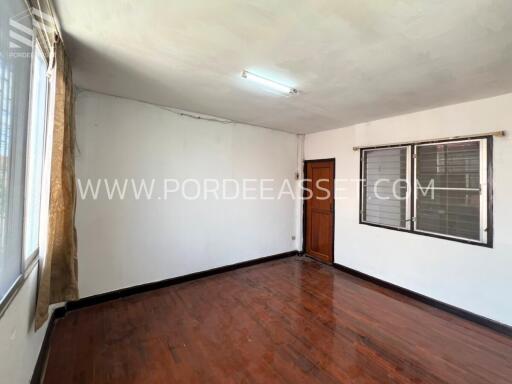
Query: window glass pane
x=15, y=66
x=454, y=165
x=385, y=187
x=450, y=212
x=35, y=154
x=451, y=206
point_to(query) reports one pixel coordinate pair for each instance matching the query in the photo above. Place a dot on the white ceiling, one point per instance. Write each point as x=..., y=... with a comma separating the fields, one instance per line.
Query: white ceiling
x=352, y=60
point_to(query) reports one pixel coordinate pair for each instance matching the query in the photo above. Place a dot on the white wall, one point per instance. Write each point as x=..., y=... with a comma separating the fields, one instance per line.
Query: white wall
x=19, y=344
x=122, y=243
x=470, y=277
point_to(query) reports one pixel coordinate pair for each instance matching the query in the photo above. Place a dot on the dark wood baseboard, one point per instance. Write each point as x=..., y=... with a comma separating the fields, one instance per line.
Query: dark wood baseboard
x=481, y=320
x=124, y=292
x=38, y=373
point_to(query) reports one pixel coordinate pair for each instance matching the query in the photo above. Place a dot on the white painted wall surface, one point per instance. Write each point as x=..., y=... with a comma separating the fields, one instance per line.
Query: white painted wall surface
x=122, y=243
x=19, y=344
x=470, y=277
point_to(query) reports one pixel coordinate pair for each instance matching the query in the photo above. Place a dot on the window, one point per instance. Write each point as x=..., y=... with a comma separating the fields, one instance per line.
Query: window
x=23, y=116
x=35, y=156
x=385, y=191
x=14, y=103
x=438, y=189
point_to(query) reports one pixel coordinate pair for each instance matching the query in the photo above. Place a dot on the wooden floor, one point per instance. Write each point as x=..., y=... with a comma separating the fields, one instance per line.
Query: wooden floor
x=287, y=321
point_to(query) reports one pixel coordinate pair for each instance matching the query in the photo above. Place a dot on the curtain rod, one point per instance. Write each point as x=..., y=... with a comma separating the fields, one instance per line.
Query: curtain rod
x=495, y=134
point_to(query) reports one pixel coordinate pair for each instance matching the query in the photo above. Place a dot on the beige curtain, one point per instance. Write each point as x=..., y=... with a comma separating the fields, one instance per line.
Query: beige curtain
x=59, y=273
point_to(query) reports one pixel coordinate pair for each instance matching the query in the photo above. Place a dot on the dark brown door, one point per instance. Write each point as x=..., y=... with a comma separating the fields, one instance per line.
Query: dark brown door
x=319, y=209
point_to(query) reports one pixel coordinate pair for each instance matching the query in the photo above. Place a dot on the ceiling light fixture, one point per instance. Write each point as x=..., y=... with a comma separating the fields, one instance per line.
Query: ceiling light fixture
x=268, y=83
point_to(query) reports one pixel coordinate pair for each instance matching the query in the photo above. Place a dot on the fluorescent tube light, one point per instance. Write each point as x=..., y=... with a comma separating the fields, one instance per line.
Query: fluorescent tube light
x=268, y=83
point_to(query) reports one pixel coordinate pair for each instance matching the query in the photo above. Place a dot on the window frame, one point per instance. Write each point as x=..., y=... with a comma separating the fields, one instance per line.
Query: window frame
x=486, y=167
x=363, y=187
x=27, y=264
x=28, y=260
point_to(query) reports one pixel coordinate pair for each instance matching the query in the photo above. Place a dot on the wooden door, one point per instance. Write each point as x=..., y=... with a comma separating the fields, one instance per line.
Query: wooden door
x=319, y=209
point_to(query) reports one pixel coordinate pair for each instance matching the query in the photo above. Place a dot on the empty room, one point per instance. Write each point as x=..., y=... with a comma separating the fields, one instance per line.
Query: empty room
x=252, y=191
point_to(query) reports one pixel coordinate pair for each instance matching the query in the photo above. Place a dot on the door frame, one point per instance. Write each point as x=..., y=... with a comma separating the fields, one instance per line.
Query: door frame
x=304, y=209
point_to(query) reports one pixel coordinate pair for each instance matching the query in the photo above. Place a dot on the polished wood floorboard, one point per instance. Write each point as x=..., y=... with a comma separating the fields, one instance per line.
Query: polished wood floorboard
x=287, y=321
